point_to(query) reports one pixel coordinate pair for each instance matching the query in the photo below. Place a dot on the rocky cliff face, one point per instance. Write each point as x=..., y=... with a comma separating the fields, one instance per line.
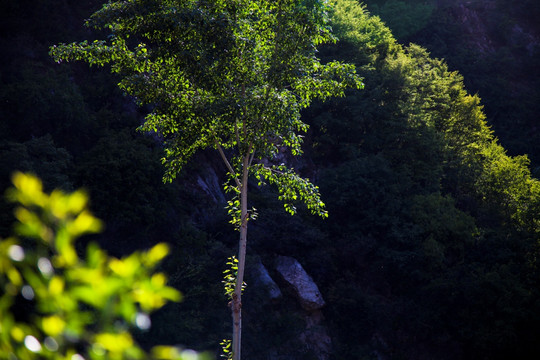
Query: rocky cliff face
x=481, y=30
x=471, y=19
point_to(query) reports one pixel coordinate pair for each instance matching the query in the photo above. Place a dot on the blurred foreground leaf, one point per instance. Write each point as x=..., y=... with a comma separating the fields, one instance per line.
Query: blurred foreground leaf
x=59, y=306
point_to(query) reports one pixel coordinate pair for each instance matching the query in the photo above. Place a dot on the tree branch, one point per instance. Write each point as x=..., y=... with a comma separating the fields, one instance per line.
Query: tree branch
x=228, y=164
x=252, y=155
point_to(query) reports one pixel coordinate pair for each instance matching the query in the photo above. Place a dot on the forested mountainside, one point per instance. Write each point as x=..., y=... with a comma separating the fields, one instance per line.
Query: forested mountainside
x=494, y=45
x=431, y=245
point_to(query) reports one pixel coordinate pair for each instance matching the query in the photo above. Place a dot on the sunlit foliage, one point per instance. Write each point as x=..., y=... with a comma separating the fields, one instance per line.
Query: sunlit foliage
x=57, y=305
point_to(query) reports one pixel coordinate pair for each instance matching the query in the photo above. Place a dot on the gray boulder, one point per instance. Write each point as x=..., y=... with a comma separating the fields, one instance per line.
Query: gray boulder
x=302, y=284
x=263, y=279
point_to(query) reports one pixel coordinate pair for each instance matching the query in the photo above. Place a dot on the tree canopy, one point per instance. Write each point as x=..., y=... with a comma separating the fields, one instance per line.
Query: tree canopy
x=218, y=73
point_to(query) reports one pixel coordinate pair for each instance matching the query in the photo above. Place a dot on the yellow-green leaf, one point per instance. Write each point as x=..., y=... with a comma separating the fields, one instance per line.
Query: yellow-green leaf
x=115, y=343
x=157, y=253
x=53, y=325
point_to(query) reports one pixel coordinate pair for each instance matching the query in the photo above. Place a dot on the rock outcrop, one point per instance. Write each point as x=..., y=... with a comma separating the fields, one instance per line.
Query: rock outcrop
x=263, y=280
x=301, y=283
x=208, y=181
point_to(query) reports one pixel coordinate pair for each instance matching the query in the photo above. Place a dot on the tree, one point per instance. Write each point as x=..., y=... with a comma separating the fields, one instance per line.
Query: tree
x=232, y=75
x=56, y=305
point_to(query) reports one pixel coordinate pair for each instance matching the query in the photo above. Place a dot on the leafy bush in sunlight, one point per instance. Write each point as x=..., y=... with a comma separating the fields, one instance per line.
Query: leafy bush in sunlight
x=56, y=305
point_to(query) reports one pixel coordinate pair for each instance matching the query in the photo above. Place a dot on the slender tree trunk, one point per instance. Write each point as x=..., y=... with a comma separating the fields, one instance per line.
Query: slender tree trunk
x=236, y=305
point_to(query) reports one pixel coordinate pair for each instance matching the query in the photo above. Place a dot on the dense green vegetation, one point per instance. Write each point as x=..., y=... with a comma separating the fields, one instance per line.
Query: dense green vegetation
x=440, y=214
x=430, y=247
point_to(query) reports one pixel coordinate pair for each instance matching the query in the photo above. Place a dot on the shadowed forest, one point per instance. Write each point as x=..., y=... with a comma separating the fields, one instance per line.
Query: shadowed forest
x=429, y=175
